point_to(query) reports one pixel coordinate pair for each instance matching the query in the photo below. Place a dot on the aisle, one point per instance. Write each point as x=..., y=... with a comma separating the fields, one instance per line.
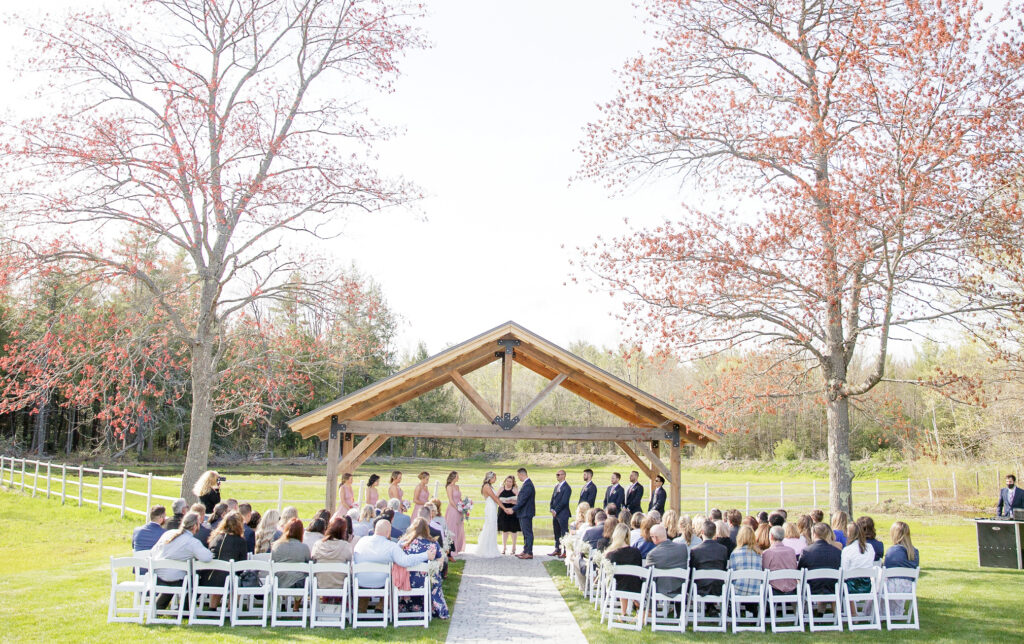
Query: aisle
x=510, y=600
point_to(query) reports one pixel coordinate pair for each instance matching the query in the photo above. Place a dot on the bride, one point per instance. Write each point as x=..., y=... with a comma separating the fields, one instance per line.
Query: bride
x=487, y=543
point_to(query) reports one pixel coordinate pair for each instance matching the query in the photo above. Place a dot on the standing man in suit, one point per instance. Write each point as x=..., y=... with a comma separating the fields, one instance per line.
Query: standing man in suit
x=588, y=494
x=525, y=509
x=635, y=493
x=615, y=494
x=560, y=511
x=1010, y=498
x=658, y=495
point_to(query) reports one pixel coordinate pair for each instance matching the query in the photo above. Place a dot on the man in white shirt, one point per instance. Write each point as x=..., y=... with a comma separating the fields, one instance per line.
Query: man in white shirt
x=378, y=548
x=179, y=545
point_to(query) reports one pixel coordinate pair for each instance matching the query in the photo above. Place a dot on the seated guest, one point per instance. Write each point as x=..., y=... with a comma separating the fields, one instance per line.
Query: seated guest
x=839, y=521
x=779, y=557
x=653, y=514
x=636, y=524
x=611, y=510
x=333, y=548
x=145, y=537
x=254, y=519
x=606, y=535
x=666, y=555
x=698, y=531
x=592, y=535
x=722, y=535
x=416, y=540
x=378, y=548
x=794, y=539
x=709, y=555
x=867, y=526
x=644, y=543
x=315, y=531
x=288, y=548
x=785, y=515
x=752, y=522
x=685, y=531
x=818, y=516
x=227, y=543
x=245, y=511
x=625, y=517
x=670, y=521
x=581, y=517
x=179, y=545
x=762, y=517
x=591, y=518
x=734, y=519
x=857, y=555
x=762, y=535
x=266, y=530
x=804, y=524
x=219, y=511
x=287, y=514
x=362, y=526
x=232, y=505
x=821, y=555
x=901, y=554
x=178, y=509
x=380, y=506
x=776, y=518
x=204, y=528
x=401, y=521
x=620, y=553
x=439, y=520
x=715, y=515
x=745, y=557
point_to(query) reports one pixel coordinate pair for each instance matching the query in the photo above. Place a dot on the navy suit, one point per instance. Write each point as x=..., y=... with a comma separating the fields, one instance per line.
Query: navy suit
x=250, y=538
x=525, y=509
x=634, y=496
x=588, y=494
x=145, y=537
x=1006, y=506
x=560, y=506
x=657, y=500
x=615, y=494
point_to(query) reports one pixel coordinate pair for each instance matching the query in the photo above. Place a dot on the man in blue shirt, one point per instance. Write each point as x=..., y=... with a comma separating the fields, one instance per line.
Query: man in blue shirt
x=145, y=537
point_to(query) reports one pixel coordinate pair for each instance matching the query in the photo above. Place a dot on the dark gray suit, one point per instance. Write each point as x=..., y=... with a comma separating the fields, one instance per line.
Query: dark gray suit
x=666, y=555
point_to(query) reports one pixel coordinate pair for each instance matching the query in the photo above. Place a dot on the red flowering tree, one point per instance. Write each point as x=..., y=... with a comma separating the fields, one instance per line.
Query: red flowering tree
x=867, y=146
x=228, y=132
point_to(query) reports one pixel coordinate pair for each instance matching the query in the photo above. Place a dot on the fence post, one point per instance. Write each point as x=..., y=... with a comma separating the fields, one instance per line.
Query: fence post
x=707, y=506
x=782, y=494
x=47, y=479
x=35, y=479
x=748, y=498
x=878, y=494
x=124, y=490
x=23, y=475
x=63, y=483
x=930, y=497
x=149, y=492
x=954, y=486
x=280, y=495
x=99, y=492
x=909, y=501
x=814, y=492
x=80, y=486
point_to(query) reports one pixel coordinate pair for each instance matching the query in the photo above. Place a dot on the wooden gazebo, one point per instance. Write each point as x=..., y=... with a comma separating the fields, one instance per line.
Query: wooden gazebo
x=647, y=420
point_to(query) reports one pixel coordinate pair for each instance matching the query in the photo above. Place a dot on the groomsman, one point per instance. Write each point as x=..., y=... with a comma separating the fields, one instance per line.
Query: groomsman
x=657, y=495
x=635, y=493
x=615, y=494
x=560, y=497
x=525, y=509
x=588, y=494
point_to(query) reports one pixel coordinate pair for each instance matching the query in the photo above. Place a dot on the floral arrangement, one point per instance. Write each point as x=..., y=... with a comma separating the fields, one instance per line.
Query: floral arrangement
x=435, y=566
x=465, y=506
x=449, y=539
x=406, y=505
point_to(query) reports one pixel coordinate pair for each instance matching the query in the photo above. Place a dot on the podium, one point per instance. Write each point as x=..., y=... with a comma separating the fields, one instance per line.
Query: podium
x=1000, y=543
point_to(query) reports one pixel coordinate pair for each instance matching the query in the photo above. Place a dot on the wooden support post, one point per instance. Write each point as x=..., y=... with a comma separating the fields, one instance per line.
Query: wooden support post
x=654, y=467
x=333, y=451
x=674, y=463
x=506, y=382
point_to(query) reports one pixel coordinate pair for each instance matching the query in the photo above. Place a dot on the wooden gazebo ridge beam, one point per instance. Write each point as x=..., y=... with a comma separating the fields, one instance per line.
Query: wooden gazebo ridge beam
x=647, y=420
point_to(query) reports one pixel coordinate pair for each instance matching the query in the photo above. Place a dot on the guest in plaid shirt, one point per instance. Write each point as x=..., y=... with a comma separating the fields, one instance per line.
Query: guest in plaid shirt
x=745, y=557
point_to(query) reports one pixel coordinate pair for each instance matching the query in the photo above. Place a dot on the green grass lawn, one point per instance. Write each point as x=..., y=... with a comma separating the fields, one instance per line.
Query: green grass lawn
x=55, y=584
x=958, y=601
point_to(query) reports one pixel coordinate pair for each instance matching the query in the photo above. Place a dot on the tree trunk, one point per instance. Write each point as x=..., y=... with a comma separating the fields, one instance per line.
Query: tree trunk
x=840, y=473
x=39, y=440
x=201, y=425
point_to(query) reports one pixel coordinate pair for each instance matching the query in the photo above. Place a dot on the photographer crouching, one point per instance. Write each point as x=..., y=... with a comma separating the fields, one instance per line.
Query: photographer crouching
x=208, y=490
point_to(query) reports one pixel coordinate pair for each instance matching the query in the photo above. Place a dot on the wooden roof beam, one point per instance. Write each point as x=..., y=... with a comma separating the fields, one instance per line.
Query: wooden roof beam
x=454, y=430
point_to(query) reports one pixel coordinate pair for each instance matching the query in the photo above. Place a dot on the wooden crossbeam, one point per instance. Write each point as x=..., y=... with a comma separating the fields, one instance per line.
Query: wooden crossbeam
x=656, y=461
x=453, y=430
x=473, y=395
x=557, y=380
x=624, y=446
x=361, y=452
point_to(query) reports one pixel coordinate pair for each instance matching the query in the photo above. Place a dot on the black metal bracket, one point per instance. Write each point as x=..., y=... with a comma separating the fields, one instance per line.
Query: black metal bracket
x=509, y=347
x=673, y=435
x=506, y=422
x=339, y=428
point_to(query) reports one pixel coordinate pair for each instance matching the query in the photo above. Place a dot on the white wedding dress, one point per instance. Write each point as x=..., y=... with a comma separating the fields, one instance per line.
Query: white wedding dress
x=487, y=543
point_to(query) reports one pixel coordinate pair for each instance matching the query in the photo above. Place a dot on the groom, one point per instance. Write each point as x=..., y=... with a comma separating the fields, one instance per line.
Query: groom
x=525, y=510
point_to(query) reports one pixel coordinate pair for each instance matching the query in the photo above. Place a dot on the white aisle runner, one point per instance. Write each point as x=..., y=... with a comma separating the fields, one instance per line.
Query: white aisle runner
x=505, y=599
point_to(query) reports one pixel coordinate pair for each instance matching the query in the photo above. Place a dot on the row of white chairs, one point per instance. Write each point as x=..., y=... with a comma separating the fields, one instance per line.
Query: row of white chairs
x=135, y=587
x=785, y=612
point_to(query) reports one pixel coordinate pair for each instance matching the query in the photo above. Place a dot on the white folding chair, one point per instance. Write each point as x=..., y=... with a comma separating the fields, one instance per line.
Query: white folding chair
x=777, y=602
x=249, y=604
x=661, y=603
x=262, y=556
x=179, y=593
x=699, y=603
x=202, y=593
x=135, y=584
x=889, y=598
x=866, y=616
x=361, y=591
x=325, y=614
x=829, y=621
x=419, y=617
x=738, y=601
x=591, y=561
x=616, y=618
x=287, y=595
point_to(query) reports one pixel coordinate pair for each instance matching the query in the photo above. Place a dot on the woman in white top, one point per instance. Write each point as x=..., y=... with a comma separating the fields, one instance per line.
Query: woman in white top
x=858, y=554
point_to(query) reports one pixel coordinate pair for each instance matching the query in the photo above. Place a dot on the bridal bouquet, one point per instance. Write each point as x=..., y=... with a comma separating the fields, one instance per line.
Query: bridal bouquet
x=465, y=506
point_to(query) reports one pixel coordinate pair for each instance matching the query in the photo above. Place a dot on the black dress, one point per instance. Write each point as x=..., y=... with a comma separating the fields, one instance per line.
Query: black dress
x=210, y=500
x=226, y=547
x=628, y=556
x=507, y=522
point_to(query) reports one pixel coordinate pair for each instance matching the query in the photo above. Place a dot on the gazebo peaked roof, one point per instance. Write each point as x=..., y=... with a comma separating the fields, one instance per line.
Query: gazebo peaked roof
x=638, y=408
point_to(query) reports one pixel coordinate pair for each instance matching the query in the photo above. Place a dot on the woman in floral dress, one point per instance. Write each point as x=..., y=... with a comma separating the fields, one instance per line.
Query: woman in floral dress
x=416, y=540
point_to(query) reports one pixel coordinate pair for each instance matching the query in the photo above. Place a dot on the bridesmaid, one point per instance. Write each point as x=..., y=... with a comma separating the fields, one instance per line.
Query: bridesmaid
x=395, y=489
x=421, y=495
x=452, y=516
x=346, y=497
x=371, y=490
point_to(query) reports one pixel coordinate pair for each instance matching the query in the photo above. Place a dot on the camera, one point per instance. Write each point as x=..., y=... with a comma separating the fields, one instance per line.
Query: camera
x=221, y=479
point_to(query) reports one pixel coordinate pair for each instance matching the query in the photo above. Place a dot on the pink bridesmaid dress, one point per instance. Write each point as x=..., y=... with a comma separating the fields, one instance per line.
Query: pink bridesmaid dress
x=419, y=500
x=396, y=493
x=347, y=499
x=371, y=496
x=453, y=518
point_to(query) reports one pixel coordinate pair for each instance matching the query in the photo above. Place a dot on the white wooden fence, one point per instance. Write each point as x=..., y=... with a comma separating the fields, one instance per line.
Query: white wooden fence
x=133, y=492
